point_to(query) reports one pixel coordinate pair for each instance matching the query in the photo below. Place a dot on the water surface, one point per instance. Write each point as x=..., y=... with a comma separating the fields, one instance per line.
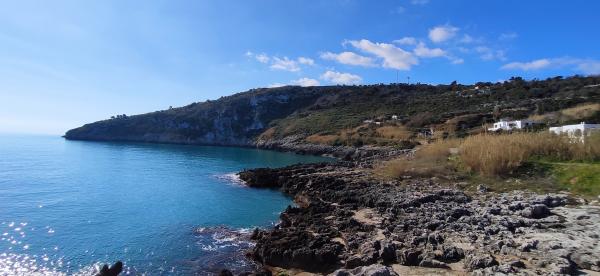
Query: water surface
x=68, y=205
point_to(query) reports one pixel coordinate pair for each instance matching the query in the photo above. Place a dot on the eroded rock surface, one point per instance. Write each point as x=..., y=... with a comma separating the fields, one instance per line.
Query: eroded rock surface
x=349, y=223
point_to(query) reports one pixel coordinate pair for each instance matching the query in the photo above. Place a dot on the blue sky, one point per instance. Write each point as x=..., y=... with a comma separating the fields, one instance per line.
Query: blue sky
x=65, y=63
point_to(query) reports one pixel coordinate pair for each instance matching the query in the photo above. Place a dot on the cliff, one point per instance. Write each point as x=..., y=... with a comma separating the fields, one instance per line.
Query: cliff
x=234, y=120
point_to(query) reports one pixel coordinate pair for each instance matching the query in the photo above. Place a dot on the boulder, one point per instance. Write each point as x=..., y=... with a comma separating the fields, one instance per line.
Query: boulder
x=371, y=270
x=479, y=261
x=432, y=263
x=410, y=257
x=537, y=211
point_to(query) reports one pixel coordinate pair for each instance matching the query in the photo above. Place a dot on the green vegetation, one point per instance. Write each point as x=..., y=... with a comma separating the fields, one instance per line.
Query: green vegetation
x=450, y=110
x=579, y=178
x=336, y=114
x=538, y=161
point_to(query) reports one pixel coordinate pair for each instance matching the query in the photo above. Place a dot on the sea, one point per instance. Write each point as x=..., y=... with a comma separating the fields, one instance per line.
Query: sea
x=67, y=207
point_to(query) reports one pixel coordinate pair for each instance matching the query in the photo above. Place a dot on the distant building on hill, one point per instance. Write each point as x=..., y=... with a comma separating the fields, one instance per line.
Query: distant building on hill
x=372, y=122
x=506, y=125
x=576, y=132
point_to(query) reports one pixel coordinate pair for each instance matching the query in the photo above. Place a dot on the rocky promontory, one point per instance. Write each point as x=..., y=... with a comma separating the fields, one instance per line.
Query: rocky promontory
x=348, y=222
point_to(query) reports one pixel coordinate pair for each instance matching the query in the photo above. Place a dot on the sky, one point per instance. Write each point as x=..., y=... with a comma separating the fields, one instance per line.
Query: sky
x=67, y=63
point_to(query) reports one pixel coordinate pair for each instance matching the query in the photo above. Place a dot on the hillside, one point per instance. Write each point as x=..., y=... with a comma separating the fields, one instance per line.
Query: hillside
x=335, y=115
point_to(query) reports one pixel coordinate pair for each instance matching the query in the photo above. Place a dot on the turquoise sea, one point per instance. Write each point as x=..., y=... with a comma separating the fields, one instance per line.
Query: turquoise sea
x=67, y=206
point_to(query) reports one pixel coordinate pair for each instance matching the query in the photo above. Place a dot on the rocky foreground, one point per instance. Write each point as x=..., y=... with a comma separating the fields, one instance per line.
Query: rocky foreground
x=348, y=222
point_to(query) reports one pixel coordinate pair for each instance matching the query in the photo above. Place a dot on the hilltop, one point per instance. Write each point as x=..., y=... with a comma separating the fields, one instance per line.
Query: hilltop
x=352, y=116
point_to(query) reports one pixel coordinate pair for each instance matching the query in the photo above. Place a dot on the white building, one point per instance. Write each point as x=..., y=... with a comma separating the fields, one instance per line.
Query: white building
x=510, y=125
x=576, y=132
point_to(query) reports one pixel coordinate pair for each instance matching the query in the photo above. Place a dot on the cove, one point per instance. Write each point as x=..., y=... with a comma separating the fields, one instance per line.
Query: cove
x=66, y=206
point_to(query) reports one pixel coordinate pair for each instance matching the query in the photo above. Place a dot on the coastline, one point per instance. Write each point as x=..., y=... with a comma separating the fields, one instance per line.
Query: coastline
x=285, y=145
x=350, y=223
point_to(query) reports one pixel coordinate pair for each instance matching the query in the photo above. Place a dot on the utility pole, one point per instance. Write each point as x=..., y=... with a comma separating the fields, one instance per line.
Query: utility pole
x=408, y=80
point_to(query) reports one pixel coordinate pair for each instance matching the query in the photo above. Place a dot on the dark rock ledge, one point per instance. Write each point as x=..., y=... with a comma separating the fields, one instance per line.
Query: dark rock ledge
x=349, y=223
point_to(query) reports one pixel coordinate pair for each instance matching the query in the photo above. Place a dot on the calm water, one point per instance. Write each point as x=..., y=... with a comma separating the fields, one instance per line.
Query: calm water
x=65, y=206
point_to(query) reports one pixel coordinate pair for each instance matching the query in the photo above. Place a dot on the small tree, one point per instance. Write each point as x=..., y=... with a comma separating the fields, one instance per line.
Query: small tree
x=496, y=113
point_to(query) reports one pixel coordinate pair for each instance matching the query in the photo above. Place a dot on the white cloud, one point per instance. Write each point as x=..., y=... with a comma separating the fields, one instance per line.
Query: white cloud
x=487, y=53
x=419, y=2
x=442, y=33
x=406, y=41
x=422, y=51
x=466, y=39
x=508, y=36
x=469, y=39
x=393, y=57
x=349, y=58
x=284, y=64
x=262, y=58
x=277, y=84
x=341, y=78
x=306, y=61
x=456, y=60
x=305, y=82
x=586, y=66
x=527, y=66
x=591, y=67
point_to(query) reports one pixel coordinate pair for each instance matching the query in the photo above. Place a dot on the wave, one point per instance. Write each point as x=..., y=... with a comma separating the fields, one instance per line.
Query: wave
x=225, y=248
x=214, y=238
x=231, y=178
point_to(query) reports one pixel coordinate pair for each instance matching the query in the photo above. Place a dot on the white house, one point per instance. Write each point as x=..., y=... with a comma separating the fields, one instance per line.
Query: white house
x=576, y=132
x=372, y=122
x=510, y=125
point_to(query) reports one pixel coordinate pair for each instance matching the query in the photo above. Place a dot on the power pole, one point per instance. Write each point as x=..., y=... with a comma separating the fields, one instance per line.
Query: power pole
x=408, y=80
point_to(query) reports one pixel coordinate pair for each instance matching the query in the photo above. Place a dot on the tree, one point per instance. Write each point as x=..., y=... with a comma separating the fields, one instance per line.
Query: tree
x=539, y=108
x=454, y=86
x=496, y=113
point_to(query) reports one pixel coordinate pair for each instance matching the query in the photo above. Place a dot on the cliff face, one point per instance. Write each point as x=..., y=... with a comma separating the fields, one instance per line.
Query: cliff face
x=234, y=120
x=330, y=118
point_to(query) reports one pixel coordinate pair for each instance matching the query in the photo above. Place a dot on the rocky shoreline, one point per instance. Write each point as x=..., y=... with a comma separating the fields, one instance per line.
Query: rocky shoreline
x=348, y=222
x=297, y=144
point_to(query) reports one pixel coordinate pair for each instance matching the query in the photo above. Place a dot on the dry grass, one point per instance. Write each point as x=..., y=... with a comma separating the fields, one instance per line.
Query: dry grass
x=366, y=134
x=492, y=155
x=394, y=132
x=322, y=139
x=502, y=154
x=580, y=112
x=267, y=134
x=438, y=151
x=402, y=167
x=429, y=160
